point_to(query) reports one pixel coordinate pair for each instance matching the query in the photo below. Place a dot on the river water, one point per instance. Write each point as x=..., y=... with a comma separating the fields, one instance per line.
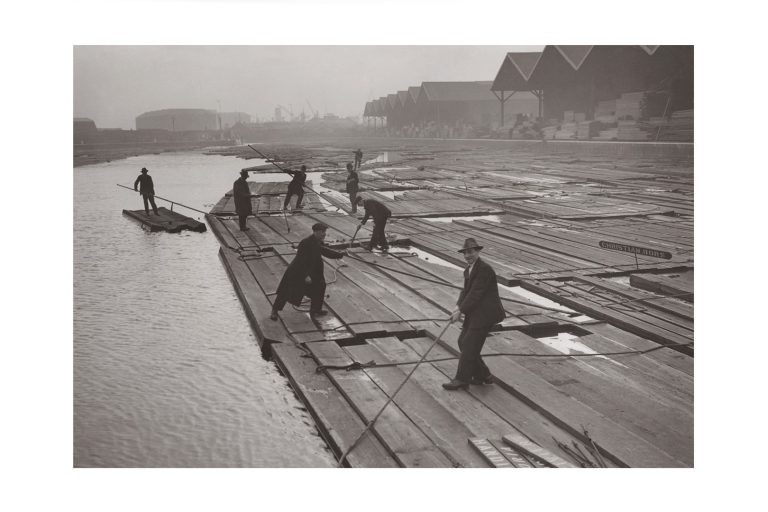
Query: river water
x=167, y=372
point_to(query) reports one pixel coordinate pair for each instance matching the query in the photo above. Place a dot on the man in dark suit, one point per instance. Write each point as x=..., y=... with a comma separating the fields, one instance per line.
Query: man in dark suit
x=380, y=214
x=480, y=304
x=304, y=275
x=147, y=190
x=242, y=194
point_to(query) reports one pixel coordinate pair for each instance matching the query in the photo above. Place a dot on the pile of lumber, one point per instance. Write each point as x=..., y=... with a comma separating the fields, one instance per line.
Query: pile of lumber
x=629, y=105
x=631, y=130
x=587, y=129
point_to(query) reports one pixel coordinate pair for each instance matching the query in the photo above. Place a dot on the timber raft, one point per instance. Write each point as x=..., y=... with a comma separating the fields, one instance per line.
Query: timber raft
x=541, y=218
x=166, y=220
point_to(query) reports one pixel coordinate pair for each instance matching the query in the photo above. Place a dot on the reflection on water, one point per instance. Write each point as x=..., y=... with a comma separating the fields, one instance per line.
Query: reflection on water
x=166, y=370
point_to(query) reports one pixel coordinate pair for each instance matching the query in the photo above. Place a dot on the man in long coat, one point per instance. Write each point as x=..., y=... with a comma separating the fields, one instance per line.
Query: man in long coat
x=480, y=304
x=380, y=214
x=147, y=190
x=242, y=194
x=353, y=183
x=304, y=275
x=296, y=187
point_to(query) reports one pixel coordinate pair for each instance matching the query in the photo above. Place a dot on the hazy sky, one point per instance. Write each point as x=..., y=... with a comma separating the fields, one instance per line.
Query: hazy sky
x=114, y=84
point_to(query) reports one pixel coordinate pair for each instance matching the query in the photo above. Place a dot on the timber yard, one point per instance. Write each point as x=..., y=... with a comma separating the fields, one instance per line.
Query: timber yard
x=573, y=169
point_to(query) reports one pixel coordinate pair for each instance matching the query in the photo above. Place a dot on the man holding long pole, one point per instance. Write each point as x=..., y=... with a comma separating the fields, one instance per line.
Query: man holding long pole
x=480, y=304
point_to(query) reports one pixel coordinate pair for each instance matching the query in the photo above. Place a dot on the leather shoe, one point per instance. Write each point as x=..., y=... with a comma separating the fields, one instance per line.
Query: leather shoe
x=321, y=312
x=481, y=381
x=455, y=384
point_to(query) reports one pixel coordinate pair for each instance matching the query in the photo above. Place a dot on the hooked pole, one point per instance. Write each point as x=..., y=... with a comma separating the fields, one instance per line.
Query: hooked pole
x=168, y=200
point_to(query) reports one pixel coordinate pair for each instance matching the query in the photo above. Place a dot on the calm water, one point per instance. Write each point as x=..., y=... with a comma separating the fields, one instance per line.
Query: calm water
x=166, y=370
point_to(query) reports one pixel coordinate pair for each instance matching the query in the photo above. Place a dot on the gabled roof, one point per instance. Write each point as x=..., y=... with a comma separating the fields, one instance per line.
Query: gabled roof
x=392, y=101
x=575, y=55
x=368, y=110
x=458, y=91
x=650, y=49
x=402, y=97
x=414, y=92
x=515, y=71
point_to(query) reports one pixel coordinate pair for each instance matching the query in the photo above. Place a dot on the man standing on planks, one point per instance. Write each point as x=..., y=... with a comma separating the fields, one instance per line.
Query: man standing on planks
x=358, y=158
x=480, y=304
x=380, y=214
x=147, y=190
x=304, y=275
x=242, y=193
x=353, y=181
x=296, y=187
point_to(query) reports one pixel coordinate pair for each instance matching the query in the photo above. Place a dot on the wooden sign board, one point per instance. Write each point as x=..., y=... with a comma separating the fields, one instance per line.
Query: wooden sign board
x=653, y=253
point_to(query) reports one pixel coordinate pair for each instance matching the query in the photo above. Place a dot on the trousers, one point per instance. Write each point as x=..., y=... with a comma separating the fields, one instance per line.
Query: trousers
x=471, y=343
x=149, y=198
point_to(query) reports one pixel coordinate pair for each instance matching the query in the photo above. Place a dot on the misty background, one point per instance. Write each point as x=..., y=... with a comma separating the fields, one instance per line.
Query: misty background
x=114, y=84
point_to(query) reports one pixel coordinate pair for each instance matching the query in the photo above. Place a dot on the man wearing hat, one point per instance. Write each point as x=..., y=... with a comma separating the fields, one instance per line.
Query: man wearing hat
x=358, y=158
x=296, y=187
x=480, y=304
x=242, y=193
x=304, y=275
x=147, y=190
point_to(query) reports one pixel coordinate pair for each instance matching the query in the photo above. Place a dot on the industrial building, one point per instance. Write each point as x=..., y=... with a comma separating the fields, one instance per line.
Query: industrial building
x=608, y=92
x=178, y=120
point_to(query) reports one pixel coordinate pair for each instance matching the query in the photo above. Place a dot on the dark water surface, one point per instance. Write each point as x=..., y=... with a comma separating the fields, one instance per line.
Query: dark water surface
x=167, y=372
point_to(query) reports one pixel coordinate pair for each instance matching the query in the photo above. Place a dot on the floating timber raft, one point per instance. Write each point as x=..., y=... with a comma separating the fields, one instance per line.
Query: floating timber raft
x=593, y=365
x=166, y=220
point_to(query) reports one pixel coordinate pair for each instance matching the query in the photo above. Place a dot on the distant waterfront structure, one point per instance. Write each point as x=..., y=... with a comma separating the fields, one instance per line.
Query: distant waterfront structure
x=178, y=120
x=230, y=119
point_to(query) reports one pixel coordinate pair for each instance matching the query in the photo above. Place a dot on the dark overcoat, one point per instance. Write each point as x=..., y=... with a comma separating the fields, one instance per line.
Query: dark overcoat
x=479, y=300
x=144, y=182
x=353, y=181
x=375, y=209
x=308, y=262
x=242, y=194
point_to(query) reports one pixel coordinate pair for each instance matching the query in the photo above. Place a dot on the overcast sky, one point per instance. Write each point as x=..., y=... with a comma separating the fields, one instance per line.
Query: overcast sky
x=114, y=84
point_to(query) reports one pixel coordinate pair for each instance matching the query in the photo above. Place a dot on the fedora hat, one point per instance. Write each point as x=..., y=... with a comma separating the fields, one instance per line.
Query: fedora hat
x=144, y=169
x=470, y=243
x=243, y=172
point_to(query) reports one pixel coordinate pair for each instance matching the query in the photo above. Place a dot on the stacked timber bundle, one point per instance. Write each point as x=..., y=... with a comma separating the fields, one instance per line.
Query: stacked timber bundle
x=631, y=130
x=566, y=131
x=629, y=105
x=548, y=132
x=588, y=129
x=679, y=127
x=605, y=112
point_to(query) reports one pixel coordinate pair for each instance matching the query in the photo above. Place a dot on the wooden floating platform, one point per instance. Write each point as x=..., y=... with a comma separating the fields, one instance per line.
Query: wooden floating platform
x=548, y=407
x=166, y=220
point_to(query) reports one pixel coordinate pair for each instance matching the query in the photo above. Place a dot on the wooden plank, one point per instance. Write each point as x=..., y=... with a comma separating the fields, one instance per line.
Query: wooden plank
x=672, y=358
x=617, y=318
x=514, y=457
x=407, y=444
x=507, y=407
x=256, y=305
x=624, y=448
x=490, y=454
x=665, y=285
x=338, y=424
x=436, y=422
x=608, y=388
x=519, y=442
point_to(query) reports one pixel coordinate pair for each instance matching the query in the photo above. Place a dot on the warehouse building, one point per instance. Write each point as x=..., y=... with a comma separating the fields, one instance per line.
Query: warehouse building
x=178, y=120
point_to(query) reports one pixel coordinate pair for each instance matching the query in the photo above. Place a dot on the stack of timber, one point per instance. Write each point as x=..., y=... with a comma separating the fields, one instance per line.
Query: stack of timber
x=571, y=386
x=166, y=220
